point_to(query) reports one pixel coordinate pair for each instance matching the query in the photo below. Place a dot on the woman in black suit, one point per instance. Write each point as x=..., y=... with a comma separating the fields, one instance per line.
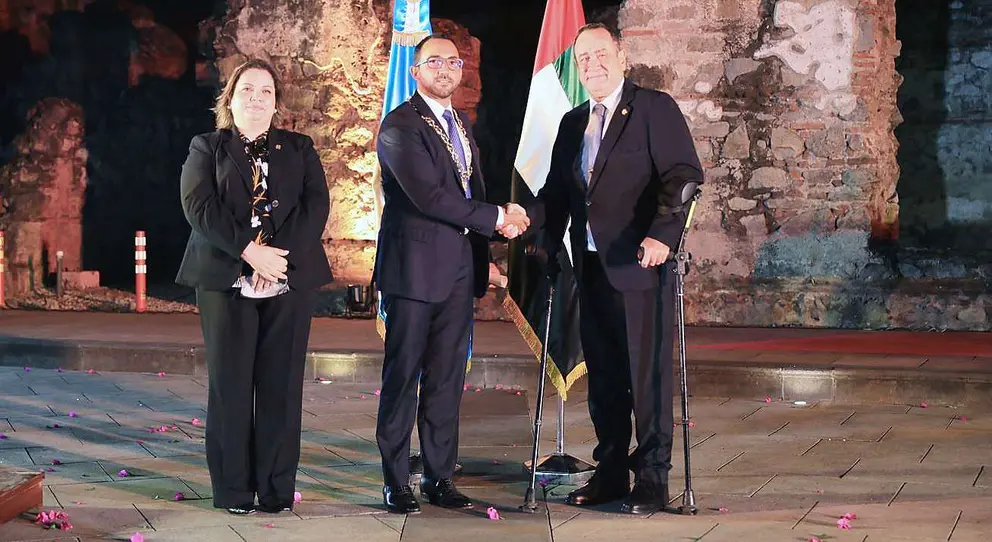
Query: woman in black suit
x=257, y=201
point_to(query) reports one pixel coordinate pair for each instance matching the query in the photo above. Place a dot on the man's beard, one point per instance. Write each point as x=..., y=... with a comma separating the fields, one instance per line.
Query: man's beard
x=443, y=92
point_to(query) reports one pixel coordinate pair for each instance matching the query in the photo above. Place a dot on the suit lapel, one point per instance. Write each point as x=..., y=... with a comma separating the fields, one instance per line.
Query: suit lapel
x=283, y=182
x=578, y=175
x=613, y=131
x=425, y=110
x=236, y=152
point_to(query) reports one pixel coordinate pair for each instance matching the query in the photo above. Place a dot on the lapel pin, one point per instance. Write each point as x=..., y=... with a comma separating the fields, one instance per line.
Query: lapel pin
x=622, y=112
x=279, y=147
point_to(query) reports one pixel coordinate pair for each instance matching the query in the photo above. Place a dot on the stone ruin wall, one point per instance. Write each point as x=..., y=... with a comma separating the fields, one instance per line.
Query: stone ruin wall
x=43, y=184
x=792, y=105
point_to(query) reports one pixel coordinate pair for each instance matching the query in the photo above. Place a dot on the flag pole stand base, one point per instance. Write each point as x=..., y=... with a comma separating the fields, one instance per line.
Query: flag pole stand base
x=562, y=469
x=688, y=507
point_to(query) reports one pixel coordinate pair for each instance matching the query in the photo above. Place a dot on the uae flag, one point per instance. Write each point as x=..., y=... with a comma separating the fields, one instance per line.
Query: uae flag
x=554, y=90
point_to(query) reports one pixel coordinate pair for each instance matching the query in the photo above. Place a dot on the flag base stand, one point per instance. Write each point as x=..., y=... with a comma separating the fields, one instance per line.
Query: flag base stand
x=563, y=469
x=558, y=468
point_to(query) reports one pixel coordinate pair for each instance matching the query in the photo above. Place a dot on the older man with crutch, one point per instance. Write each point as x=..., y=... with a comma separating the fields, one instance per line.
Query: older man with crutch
x=624, y=171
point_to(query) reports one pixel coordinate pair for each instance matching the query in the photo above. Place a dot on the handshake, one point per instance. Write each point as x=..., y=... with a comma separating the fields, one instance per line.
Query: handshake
x=515, y=221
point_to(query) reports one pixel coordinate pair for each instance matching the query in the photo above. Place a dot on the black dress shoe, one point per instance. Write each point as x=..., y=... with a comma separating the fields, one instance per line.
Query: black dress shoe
x=241, y=509
x=275, y=507
x=443, y=493
x=646, y=498
x=601, y=489
x=400, y=500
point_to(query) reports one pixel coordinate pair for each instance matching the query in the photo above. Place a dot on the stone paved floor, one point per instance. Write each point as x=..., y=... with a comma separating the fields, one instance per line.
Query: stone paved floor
x=762, y=471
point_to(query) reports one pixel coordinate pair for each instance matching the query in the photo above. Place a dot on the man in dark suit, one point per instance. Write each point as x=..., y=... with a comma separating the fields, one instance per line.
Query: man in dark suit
x=618, y=166
x=432, y=259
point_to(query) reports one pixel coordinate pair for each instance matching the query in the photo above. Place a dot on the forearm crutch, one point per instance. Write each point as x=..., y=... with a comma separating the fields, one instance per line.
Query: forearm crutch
x=681, y=258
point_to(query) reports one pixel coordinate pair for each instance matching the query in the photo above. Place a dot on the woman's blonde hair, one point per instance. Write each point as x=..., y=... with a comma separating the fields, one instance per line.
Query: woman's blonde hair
x=222, y=107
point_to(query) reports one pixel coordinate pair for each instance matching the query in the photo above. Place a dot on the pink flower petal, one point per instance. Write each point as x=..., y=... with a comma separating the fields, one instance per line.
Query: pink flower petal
x=519, y=393
x=72, y=414
x=297, y=497
x=362, y=396
x=79, y=502
x=270, y=525
x=136, y=537
x=27, y=369
x=56, y=462
x=692, y=424
x=844, y=524
x=196, y=421
x=850, y=515
x=499, y=387
x=91, y=371
x=477, y=390
x=819, y=492
x=123, y=473
x=768, y=399
x=377, y=393
x=814, y=539
x=178, y=496
x=723, y=510
x=50, y=469
x=3, y=437
x=923, y=404
x=493, y=513
x=465, y=387
x=963, y=418
x=161, y=374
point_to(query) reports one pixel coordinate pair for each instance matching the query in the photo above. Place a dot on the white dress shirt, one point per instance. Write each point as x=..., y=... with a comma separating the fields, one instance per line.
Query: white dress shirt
x=611, y=102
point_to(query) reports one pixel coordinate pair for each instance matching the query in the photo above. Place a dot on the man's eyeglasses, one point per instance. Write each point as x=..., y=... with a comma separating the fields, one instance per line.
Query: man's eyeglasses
x=435, y=63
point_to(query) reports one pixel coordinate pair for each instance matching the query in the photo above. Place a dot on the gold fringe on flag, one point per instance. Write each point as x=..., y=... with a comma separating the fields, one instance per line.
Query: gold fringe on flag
x=409, y=39
x=561, y=383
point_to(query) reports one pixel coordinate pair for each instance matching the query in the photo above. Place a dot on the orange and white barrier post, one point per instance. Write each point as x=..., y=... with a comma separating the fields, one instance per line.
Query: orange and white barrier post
x=2, y=271
x=140, y=270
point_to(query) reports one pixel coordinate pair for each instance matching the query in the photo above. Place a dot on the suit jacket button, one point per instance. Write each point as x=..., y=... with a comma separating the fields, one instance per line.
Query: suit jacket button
x=588, y=204
x=275, y=203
